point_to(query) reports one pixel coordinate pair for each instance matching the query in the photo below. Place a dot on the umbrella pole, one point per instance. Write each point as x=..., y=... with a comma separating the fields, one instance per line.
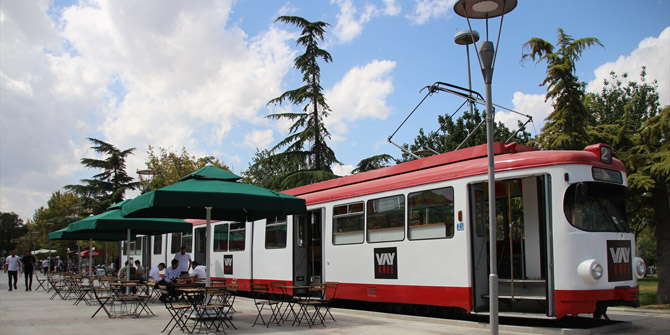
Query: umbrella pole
x=128, y=261
x=207, y=244
x=90, y=258
x=79, y=256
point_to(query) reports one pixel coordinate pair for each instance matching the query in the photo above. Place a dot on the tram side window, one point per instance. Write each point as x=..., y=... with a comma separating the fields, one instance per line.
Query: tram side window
x=176, y=243
x=275, y=233
x=187, y=241
x=348, y=224
x=237, y=236
x=158, y=244
x=136, y=245
x=386, y=219
x=221, y=237
x=179, y=240
x=430, y=214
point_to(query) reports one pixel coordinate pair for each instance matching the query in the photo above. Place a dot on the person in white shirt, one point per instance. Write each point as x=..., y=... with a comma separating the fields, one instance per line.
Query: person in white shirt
x=12, y=268
x=184, y=259
x=154, y=273
x=198, y=270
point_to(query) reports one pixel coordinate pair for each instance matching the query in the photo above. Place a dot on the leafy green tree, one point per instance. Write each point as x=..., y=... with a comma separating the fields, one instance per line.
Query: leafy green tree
x=109, y=186
x=62, y=209
x=373, y=163
x=629, y=118
x=11, y=228
x=650, y=170
x=566, y=126
x=170, y=166
x=306, y=146
x=450, y=134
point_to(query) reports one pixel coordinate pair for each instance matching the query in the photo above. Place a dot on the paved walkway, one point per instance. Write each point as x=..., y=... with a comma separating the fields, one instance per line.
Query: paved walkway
x=31, y=312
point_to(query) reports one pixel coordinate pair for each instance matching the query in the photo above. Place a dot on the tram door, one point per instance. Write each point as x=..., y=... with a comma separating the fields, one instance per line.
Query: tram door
x=200, y=246
x=307, y=246
x=521, y=244
x=480, y=253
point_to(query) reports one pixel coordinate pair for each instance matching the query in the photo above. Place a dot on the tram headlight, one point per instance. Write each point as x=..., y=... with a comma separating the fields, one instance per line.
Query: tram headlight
x=640, y=267
x=590, y=270
x=596, y=271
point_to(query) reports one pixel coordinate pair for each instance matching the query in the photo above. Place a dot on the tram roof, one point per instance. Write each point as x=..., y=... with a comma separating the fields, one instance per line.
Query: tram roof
x=447, y=166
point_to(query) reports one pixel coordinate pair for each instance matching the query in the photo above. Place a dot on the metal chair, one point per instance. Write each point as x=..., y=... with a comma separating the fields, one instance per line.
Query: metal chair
x=261, y=296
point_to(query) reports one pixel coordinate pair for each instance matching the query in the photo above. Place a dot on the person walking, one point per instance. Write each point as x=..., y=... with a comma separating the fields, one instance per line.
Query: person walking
x=28, y=266
x=12, y=267
x=184, y=259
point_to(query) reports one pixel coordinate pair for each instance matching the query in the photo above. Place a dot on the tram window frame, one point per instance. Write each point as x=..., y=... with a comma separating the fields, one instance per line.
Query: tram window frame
x=275, y=232
x=237, y=228
x=158, y=244
x=344, y=218
x=376, y=216
x=175, y=246
x=413, y=215
x=220, y=244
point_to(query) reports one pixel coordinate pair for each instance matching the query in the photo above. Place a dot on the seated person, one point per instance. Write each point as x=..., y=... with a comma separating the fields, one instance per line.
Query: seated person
x=172, y=272
x=133, y=272
x=171, y=275
x=198, y=270
x=155, y=274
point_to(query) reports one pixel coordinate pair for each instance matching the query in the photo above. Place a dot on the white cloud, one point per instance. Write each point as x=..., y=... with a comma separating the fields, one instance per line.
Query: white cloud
x=361, y=93
x=426, y=10
x=131, y=74
x=342, y=170
x=529, y=104
x=259, y=139
x=391, y=7
x=652, y=52
x=350, y=21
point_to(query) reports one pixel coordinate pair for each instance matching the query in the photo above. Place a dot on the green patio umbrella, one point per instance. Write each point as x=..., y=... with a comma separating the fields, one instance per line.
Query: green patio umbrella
x=216, y=188
x=64, y=234
x=112, y=222
x=213, y=193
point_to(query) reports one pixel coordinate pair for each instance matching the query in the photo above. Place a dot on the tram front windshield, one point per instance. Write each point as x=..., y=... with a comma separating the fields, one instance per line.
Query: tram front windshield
x=597, y=207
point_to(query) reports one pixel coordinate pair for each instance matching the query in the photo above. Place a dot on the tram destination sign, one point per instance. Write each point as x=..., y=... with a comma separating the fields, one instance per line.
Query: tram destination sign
x=619, y=263
x=386, y=263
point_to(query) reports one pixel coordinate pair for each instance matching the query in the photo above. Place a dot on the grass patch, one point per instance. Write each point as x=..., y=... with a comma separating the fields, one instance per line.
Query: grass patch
x=648, y=287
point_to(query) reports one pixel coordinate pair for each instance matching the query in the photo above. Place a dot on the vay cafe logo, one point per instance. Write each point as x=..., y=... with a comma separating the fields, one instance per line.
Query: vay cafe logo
x=228, y=264
x=386, y=263
x=619, y=266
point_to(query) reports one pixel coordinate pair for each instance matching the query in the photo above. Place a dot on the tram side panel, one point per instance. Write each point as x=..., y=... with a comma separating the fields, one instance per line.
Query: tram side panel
x=231, y=252
x=413, y=268
x=272, y=251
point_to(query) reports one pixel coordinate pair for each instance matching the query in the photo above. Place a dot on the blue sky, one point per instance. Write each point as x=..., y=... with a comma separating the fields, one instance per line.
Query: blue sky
x=198, y=74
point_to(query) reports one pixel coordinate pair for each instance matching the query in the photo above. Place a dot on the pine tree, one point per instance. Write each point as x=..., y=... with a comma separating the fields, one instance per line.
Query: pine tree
x=566, y=126
x=109, y=186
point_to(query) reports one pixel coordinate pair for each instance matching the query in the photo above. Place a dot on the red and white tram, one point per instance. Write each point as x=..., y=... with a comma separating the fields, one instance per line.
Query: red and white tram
x=416, y=233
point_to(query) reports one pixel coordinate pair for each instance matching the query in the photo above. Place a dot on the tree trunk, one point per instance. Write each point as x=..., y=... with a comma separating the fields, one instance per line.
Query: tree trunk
x=662, y=213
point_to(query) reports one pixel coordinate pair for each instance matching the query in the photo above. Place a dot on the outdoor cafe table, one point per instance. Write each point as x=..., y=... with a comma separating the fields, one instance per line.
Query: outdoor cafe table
x=203, y=311
x=120, y=290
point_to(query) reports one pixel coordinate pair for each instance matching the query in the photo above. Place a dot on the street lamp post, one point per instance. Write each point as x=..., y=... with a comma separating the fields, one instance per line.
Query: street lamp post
x=467, y=37
x=485, y=9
